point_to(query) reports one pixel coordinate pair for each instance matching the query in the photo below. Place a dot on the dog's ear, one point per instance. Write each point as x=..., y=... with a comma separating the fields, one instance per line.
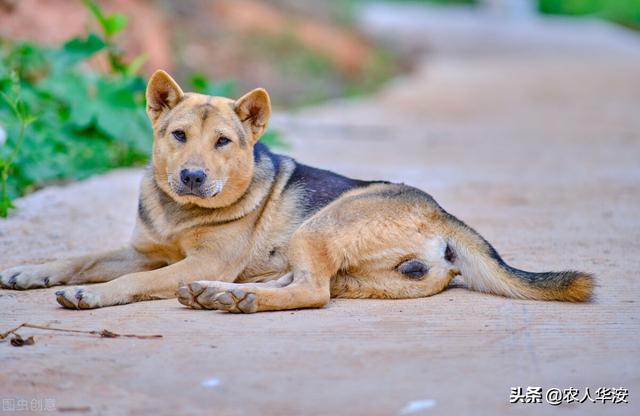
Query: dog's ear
x=163, y=93
x=254, y=110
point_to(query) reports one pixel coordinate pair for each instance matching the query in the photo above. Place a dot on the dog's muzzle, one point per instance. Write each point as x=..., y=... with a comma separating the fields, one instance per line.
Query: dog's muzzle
x=194, y=182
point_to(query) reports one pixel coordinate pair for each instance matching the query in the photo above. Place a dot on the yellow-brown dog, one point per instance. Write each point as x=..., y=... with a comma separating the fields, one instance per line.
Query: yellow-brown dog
x=229, y=225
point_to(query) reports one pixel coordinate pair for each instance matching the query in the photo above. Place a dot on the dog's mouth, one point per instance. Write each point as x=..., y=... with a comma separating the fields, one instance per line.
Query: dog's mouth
x=207, y=190
x=196, y=193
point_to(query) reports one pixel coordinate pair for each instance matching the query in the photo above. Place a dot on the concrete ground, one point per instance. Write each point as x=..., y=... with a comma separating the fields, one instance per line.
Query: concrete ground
x=529, y=132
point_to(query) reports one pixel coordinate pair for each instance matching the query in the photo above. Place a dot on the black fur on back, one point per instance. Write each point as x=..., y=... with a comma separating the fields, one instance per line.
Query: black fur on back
x=320, y=187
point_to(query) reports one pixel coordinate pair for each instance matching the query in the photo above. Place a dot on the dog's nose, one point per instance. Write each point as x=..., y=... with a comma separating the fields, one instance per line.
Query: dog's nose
x=192, y=178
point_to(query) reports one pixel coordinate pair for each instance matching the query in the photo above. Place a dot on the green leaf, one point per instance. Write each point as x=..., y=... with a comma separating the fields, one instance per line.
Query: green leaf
x=114, y=24
x=78, y=49
x=111, y=24
x=199, y=82
x=95, y=11
x=115, y=93
x=73, y=90
x=136, y=64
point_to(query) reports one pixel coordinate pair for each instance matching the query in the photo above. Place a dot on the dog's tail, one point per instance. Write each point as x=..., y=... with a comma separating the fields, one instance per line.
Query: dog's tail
x=483, y=269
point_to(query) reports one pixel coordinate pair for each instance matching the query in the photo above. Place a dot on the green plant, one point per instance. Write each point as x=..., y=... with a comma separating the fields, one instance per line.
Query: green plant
x=60, y=120
x=625, y=12
x=64, y=121
x=111, y=25
x=7, y=159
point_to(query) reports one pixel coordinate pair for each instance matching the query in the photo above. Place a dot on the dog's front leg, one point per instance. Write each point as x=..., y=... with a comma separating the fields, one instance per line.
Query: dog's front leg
x=156, y=284
x=92, y=268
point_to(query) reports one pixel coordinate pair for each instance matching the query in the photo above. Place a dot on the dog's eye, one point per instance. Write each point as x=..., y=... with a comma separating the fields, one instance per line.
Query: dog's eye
x=179, y=135
x=222, y=141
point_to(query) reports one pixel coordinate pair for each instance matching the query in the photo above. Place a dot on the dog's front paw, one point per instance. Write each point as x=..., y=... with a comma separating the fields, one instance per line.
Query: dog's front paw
x=228, y=297
x=27, y=277
x=78, y=297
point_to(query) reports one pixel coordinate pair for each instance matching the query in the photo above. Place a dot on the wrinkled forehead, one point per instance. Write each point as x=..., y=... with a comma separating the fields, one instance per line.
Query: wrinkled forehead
x=202, y=111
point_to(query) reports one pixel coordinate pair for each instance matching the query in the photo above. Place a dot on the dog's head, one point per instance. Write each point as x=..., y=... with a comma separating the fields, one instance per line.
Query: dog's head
x=203, y=145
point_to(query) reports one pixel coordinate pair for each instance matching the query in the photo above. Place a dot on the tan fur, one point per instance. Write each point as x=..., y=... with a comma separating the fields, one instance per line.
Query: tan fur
x=244, y=244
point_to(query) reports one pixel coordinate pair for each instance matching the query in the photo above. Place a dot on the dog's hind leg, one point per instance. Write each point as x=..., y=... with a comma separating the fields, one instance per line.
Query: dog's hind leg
x=95, y=268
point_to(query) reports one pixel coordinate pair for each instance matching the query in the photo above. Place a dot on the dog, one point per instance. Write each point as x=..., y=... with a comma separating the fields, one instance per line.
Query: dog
x=223, y=223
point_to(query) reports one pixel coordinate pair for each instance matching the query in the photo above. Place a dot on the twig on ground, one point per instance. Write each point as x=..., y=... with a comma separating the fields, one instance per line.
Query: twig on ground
x=104, y=333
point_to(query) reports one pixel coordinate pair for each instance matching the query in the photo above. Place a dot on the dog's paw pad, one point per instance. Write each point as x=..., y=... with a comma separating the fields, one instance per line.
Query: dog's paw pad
x=188, y=297
x=219, y=296
x=225, y=299
x=248, y=304
x=236, y=300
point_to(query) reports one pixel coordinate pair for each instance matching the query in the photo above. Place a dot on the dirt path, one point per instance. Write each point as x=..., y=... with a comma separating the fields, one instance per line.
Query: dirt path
x=531, y=136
